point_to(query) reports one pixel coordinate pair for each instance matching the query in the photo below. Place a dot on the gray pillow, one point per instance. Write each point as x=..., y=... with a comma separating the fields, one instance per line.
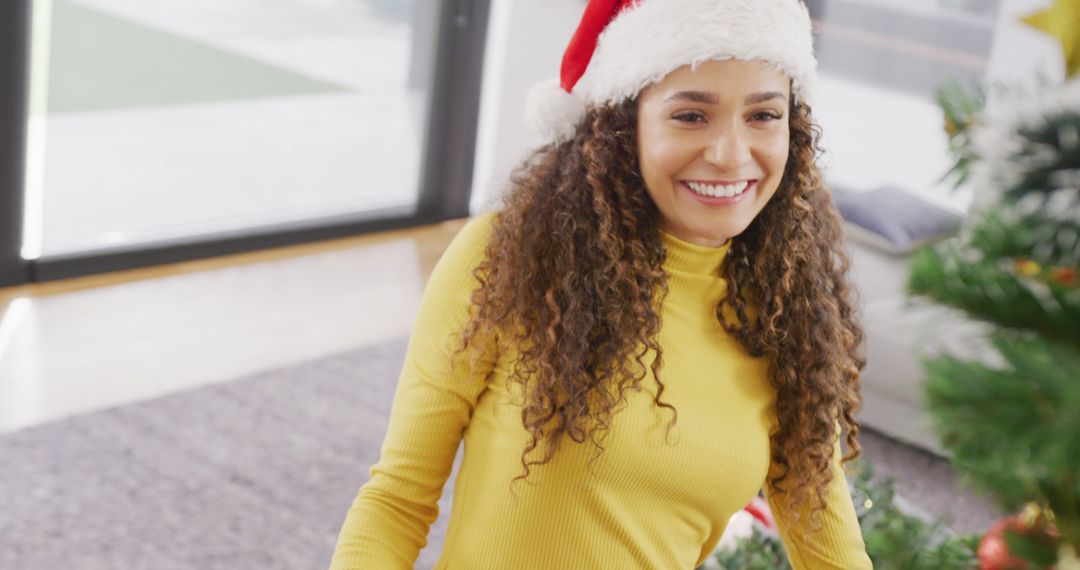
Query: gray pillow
x=892, y=219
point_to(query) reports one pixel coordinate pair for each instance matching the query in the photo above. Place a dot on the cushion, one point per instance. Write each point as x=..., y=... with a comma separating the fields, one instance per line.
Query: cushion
x=892, y=219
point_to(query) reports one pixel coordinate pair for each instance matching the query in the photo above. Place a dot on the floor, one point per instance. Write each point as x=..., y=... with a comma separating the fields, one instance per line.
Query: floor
x=69, y=347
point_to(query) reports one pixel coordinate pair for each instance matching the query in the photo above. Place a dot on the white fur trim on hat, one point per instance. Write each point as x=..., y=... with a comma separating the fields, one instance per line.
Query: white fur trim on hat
x=641, y=46
x=645, y=42
x=552, y=112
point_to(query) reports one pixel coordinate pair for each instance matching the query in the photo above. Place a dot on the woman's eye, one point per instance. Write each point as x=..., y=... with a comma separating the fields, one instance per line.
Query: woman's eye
x=767, y=116
x=689, y=117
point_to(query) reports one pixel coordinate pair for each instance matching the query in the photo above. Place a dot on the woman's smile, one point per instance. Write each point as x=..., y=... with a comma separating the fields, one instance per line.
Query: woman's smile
x=718, y=194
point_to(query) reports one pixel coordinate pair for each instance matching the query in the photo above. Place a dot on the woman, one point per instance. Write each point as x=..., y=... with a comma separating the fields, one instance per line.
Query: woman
x=655, y=324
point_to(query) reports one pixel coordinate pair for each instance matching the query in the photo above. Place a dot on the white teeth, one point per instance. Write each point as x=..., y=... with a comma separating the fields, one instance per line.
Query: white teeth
x=719, y=190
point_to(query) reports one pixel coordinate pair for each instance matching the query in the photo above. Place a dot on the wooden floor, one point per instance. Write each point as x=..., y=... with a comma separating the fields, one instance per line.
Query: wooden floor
x=69, y=347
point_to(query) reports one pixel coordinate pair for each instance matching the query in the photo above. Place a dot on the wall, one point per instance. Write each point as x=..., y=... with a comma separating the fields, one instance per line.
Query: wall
x=526, y=39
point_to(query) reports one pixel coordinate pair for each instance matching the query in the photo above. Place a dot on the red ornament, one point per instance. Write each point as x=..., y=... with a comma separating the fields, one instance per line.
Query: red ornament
x=994, y=551
x=1065, y=275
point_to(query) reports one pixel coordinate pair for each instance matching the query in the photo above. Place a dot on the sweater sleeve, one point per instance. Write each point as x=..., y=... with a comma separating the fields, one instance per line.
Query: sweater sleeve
x=388, y=522
x=838, y=545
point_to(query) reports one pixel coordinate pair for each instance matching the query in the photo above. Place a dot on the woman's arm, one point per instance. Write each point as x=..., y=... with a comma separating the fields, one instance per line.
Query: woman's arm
x=838, y=545
x=388, y=522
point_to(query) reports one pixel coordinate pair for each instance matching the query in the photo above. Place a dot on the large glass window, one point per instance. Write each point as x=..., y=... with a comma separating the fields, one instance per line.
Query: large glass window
x=168, y=120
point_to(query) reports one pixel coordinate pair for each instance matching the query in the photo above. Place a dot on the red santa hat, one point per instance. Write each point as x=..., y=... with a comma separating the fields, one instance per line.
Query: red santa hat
x=622, y=46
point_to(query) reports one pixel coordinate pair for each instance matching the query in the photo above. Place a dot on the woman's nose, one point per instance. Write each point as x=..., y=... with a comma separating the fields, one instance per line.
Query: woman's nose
x=728, y=149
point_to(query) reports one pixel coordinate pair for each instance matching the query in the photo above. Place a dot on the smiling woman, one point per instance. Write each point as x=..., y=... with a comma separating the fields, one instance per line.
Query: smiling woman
x=713, y=142
x=655, y=325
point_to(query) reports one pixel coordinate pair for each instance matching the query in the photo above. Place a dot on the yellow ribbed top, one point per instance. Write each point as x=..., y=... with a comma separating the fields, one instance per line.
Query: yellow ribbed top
x=645, y=503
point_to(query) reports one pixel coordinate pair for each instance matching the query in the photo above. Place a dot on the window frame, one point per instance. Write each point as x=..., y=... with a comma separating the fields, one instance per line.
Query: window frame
x=446, y=164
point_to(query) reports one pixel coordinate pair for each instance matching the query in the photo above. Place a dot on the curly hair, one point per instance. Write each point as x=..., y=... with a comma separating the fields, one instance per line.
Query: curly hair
x=574, y=265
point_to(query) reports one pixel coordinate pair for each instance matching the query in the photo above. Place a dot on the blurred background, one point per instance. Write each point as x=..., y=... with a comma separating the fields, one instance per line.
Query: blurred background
x=199, y=193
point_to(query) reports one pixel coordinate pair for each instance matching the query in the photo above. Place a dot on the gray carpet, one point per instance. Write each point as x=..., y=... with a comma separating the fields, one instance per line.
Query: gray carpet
x=254, y=473
x=929, y=483
x=257, y=473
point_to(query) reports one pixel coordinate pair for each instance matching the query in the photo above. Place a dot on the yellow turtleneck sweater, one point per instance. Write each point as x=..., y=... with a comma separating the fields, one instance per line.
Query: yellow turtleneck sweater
x=643, y=504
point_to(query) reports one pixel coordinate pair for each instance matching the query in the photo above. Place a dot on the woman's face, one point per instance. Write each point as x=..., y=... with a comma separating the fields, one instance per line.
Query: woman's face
x=712, y=144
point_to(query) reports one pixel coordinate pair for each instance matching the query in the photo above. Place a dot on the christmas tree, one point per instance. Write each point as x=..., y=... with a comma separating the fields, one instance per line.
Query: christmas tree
x=895, y=540
x=1010, y=417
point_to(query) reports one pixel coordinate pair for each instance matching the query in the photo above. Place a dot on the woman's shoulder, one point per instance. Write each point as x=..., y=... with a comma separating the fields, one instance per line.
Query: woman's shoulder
x=478, y=228
x=469, y=245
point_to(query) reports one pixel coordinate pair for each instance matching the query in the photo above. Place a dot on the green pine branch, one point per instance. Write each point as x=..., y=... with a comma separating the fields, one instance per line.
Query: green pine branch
x=1048, y=156
x=990, y=289
x=999, y=233
x=894, y=540
x=1013, y=430
x=961, y=105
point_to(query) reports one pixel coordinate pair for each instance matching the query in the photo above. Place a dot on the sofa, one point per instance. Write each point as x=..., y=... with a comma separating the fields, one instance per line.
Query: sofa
x=883, y=226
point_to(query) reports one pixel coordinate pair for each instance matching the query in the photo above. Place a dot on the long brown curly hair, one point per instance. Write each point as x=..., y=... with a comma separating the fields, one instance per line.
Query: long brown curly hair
x=572, y=278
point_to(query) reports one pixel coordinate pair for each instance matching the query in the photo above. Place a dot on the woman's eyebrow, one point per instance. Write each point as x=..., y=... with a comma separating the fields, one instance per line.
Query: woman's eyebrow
x=755, y=98
x=712, y=99
x=694, y=96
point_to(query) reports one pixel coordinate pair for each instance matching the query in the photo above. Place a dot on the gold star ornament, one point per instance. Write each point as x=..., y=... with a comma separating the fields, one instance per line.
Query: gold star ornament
x=1062, y=20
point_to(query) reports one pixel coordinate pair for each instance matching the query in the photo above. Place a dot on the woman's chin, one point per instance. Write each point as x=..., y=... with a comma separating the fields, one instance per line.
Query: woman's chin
x=707, y=238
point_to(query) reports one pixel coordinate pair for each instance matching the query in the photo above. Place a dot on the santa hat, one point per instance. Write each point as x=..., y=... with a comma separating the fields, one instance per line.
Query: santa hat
x=622, y=46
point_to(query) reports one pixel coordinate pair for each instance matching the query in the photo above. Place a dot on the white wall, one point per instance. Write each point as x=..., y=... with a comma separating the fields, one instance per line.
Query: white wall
x=525, y=43
x=1020, y=52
